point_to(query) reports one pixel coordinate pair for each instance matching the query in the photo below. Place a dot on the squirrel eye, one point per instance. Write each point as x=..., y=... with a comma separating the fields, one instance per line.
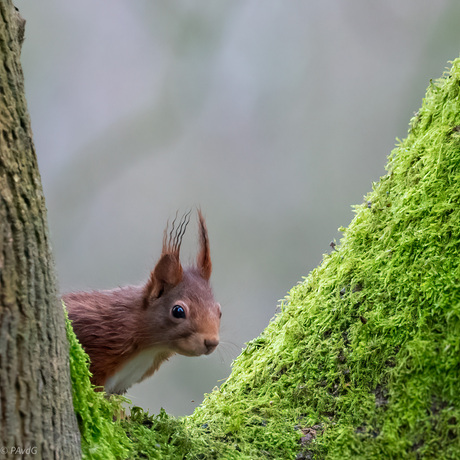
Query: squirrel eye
x=178, y=311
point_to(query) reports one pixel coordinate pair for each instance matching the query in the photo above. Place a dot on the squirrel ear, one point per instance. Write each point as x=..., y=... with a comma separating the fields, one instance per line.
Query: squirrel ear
x=168, y=270
x=204, y=255
x=166, y=274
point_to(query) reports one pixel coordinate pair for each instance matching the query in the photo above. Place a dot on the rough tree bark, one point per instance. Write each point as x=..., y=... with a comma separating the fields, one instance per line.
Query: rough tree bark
x=36, y=410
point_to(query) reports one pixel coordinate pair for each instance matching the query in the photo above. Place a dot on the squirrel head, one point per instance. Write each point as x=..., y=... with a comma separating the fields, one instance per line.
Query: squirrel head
x=179, y=309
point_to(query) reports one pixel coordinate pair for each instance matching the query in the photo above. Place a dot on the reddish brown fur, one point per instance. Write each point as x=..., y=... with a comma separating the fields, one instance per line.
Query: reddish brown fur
x=114, y=326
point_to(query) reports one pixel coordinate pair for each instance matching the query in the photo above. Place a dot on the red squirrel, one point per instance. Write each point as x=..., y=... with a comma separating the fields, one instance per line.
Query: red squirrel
x=128, y=332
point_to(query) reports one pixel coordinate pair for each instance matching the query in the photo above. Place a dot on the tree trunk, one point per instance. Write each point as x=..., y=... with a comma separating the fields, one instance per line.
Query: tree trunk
x=36, y=410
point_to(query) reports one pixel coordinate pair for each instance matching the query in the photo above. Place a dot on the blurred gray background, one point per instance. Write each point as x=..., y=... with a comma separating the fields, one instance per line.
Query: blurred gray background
x=273, y=116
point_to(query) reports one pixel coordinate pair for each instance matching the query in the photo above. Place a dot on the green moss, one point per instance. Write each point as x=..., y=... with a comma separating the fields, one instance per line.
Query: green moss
x=363, y=361
x=101, y=437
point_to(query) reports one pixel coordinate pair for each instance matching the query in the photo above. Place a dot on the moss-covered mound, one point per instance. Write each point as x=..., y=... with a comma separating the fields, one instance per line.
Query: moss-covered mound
x=363, y=361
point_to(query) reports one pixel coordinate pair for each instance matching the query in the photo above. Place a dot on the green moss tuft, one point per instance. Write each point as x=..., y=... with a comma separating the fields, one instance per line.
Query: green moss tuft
x=156, y=437
x=101, y=437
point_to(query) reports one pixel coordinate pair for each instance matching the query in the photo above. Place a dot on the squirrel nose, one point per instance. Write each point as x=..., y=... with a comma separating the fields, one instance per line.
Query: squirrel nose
x=210, y=345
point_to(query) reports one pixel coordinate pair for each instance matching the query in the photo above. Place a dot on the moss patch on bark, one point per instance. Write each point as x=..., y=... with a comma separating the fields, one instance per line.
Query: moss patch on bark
x=102, y=438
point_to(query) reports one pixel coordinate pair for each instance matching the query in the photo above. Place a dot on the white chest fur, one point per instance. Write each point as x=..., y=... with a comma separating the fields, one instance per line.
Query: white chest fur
x=133, y=371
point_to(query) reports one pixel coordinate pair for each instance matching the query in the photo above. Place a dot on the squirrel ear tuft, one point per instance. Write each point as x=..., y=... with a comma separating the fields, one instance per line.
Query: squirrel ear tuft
x=204, y=255
x=168, y=270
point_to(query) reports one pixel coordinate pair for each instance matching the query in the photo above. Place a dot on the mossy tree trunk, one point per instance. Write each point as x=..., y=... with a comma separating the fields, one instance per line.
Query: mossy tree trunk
x=36, y=410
